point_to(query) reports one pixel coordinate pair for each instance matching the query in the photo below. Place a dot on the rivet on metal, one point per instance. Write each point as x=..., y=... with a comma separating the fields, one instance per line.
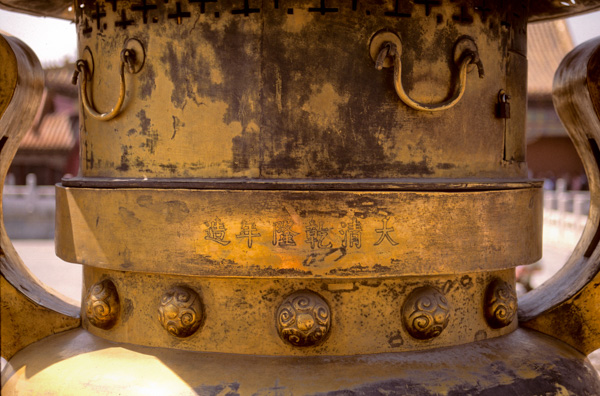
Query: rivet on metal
x=425, y=313
x=303, y=319
x=500, y=304
x=180, y=311
x=102, y=304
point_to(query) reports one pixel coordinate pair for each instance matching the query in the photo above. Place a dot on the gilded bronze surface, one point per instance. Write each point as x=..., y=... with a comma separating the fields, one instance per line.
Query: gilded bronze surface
x=500, y=303
x=180, y=311
x=271, y=213
x=298, y=233
x=303, y=319
x=351, y=316
x=292, y=91
x=426, y=313
x=520, y=363
x=102, y=305
x=30, y=310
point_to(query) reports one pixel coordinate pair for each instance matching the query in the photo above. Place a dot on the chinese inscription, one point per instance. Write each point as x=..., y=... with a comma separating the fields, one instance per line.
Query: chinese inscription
x=248, y=231
x=216, y=232
x=351, y=234
x=315, y=234
x=385, y=233
x=282, y=234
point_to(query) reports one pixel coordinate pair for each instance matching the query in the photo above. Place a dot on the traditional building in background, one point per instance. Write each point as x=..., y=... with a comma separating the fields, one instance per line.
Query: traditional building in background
x=550, y=152
x=50, y=149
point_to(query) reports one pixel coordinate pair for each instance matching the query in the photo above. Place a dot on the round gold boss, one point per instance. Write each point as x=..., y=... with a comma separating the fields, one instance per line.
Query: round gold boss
x=425, y=313
x=180, y=311
x=102, y=304
x=303, y=319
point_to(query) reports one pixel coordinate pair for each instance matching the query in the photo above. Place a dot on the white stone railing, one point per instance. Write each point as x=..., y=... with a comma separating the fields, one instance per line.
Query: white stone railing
x=28, y=210
x=565, y=215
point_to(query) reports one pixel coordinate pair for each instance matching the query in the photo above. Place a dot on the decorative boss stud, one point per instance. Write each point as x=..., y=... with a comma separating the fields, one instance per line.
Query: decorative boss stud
x=102, y=304
x=303, y=319
x=500, y=304
x=180, y=311
x=425, y=313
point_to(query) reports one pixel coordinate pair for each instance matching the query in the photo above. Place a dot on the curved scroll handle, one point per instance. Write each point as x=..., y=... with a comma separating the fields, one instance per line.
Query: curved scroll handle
x=568, y=305
x=128, y=58
x=469, y=56
x=30, y=310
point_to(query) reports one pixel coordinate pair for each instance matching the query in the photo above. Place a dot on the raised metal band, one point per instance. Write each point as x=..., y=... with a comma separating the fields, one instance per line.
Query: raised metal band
x=266, y=316
x=298, y=233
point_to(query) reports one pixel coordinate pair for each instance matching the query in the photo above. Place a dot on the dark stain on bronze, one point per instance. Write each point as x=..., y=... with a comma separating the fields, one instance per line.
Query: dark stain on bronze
x=560, y=372
x=148, y=83
x=124, y=166
x=129, y=217
x=230, y=389
x=480, y=335
x=445, y=165
x=245, y=151
x=177, y=123
x=144, y=122
x=395, y=340
x=466, y=281
x=176, y=211
x=231, y=268
x=145, y=201
x=172, y=168
x=127, y=309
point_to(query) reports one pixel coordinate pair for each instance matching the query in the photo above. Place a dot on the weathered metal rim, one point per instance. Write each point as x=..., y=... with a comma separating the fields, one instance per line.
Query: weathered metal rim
x=406, y=184
x=298, y=234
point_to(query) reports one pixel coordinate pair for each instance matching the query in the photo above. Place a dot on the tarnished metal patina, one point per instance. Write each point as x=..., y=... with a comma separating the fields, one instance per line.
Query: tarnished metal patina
x=500, y=303
x=102, y=305
x=314, y=197
x=180, y=311
x=303, y=319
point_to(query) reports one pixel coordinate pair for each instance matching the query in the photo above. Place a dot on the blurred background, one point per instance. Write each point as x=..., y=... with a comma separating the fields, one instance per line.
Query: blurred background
x=50, y=150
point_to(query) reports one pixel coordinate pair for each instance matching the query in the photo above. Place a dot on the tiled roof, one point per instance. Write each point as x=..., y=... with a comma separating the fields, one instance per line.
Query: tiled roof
x=547, y=45
x=58, y=79
x=53, y=133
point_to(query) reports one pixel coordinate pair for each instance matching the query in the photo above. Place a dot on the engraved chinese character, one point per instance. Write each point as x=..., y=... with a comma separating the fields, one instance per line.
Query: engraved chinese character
x=283, y=234
x=248, y=231
x=385, y=232
x=216, y=231
x=315, y=234
x=351, y=234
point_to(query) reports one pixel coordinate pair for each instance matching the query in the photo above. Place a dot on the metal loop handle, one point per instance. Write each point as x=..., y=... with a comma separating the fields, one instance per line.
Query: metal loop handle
x=467, y=58
x=127, y=59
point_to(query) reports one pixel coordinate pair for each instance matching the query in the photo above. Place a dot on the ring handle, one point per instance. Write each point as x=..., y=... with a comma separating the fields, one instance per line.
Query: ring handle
x=129, y=59
x=466, y=54
x=567, y=306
